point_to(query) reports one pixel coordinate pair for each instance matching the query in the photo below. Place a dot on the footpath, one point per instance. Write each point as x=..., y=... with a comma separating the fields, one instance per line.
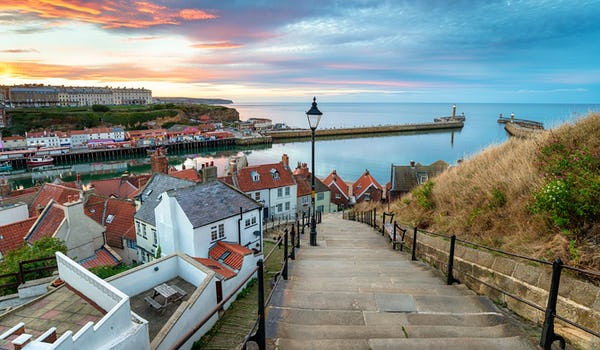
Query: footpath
x=353, y=291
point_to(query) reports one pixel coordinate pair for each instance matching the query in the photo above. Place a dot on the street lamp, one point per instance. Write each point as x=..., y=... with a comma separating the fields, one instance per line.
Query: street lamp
x=314, y=116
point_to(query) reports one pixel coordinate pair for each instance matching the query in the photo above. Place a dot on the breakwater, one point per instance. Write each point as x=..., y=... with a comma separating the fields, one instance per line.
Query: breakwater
x=380, y=129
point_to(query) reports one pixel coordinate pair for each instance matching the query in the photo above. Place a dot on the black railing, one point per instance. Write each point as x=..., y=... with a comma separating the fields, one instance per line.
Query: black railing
x=21, y=276
x=548, y=336
x=259, y=335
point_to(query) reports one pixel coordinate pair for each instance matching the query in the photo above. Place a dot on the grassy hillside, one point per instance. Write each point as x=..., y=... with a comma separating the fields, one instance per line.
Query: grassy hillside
x=130, y=117
x=538, y=196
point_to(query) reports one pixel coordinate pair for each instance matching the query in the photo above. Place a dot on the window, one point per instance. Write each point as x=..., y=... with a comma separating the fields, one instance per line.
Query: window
x=138, y=228
x=338, y=196
x=320, y=208
x=287, y=205
x=154, y=237
x=274, y=174
x=144, y=231
x=131, y=244
x=257, y=196
x=221, y=231
x=280, y=192
x=320, y=196
x=255, y=176
x=248, y=222
x=213, y=233
x=279, y=208
x=287, y=191
x=367, y=196
x=253, y=220
x=110, y=218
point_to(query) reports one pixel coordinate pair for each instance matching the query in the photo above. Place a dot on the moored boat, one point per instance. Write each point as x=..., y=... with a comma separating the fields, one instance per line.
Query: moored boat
x=5, y=166
x=37, y=161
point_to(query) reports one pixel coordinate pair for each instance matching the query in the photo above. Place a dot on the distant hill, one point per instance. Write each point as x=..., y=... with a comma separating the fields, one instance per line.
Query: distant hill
x=538, y=196
x=191, y=100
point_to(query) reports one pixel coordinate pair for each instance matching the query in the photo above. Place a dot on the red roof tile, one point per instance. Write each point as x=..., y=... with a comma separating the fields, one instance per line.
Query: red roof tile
x=120, y=214
x=48, y=223
x=217, y=267
x=234, y=259
x=13, y=235
x=244, y=177
x=119, y=188
x=102, y=257
x=333, y=179
x=58, y=193
x=186, y=174
x=227, y=180
x=303, y=186
x=363, y=183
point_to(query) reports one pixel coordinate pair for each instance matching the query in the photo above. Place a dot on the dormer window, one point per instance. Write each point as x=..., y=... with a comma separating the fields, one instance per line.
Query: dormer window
x=110, y=218
x=274, y=174
x=255, y=176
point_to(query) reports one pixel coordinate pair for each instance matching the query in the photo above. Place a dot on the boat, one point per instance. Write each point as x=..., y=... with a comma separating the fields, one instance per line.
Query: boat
x=37, y=161
x=5, y=166
x=452, y=118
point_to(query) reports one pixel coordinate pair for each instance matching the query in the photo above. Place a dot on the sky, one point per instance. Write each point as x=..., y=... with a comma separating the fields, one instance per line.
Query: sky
x=538, y=51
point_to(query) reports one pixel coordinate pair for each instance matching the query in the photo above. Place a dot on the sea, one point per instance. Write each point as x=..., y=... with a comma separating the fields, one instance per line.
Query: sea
x=351, y=156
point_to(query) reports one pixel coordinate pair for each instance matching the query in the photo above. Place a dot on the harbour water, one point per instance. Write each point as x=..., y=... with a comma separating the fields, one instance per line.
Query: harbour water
x=350, y=156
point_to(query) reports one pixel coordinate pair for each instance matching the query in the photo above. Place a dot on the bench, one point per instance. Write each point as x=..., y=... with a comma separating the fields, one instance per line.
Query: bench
x=179, y=291
x=389, y=228
x=155, y=304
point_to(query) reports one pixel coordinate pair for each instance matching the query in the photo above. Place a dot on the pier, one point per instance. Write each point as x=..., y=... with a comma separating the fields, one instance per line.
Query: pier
x=380, y=129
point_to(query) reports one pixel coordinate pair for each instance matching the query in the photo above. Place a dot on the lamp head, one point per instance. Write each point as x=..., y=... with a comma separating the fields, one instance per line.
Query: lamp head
x=314, y=115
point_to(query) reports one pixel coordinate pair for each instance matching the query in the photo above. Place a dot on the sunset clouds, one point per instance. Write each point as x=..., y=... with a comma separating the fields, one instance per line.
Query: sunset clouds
x=471, y=51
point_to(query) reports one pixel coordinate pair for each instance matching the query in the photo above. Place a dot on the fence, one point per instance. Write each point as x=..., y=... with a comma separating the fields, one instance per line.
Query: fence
x=258, y=332
x=20, y=277
x=548, y=335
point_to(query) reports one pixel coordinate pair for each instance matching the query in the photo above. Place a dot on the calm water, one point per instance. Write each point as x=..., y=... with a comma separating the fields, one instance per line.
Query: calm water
x=350, y=157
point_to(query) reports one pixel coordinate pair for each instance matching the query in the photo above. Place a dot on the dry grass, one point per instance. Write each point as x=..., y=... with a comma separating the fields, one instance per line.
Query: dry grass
x=487, y=198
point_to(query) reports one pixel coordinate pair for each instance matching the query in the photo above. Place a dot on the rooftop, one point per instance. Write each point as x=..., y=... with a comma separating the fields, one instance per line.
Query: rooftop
x=149, y=194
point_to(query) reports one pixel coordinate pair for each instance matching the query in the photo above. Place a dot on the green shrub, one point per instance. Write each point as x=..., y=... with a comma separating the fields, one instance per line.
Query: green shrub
x=423, y=195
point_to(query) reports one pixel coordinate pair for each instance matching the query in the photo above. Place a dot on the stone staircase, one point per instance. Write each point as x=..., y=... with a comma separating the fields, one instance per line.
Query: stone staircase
x=354, y=292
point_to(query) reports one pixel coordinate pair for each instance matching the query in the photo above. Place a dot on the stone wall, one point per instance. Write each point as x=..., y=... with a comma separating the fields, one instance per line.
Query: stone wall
x=579, y=301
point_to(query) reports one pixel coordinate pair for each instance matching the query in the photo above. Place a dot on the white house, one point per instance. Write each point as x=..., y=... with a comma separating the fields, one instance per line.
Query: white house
x=146, y=201
x=42, y=139
x=192, y=219
x=270, y=184
x=79, y=138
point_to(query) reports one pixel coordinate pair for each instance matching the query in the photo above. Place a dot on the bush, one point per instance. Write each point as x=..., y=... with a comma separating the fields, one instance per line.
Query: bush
x=423, y=195
x=100, y=108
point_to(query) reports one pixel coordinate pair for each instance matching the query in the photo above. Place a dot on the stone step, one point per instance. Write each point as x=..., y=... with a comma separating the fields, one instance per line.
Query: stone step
x=377, y=319
x=296, y=331
x=376, y=285
x=383, y=302
x=506, y=343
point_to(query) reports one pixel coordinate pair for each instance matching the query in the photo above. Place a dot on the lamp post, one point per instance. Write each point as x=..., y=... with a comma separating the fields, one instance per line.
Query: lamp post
x=314, y=116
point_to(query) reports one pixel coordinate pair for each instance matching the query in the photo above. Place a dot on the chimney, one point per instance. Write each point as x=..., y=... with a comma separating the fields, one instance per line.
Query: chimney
x=367, y=172
x=159, y=162
x=412, y=163
x=4, y=187
x=334, y=175
x=285, y=160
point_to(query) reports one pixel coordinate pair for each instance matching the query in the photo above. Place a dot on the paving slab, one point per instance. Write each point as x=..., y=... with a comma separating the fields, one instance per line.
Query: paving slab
x=353, y=291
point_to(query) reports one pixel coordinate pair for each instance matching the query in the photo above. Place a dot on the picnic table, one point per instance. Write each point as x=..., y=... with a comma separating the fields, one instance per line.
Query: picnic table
x=168, y=293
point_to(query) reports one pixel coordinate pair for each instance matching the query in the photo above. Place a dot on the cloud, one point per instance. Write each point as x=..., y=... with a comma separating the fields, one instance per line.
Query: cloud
x=118, y=72
x=109, y=14
x=19, y=50
x=144, y=38
x=217, y=45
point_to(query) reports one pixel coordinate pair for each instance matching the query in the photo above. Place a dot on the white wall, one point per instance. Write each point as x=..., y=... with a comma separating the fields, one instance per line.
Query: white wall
x=146, y=276
x=248, y=238
x=13, y=213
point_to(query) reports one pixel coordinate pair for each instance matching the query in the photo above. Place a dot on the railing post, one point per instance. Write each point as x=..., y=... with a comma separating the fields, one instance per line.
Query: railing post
x=260, y=336
x=414, y=245
x=293, y=239
x=374, y=219
x=298, y=233
x=394, y=240
x=285, y=255
x=450, y=278
x=548, y=335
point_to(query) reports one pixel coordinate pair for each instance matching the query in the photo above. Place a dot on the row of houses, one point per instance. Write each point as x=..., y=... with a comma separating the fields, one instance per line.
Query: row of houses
x=40, y=95
x=110, y=137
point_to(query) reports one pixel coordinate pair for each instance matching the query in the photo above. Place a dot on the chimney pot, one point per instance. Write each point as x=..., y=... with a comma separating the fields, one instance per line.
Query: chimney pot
x=412, y=163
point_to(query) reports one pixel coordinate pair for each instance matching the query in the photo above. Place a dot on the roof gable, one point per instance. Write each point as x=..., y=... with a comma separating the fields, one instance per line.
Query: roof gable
x=269, y=176
x=217, y=267
x=150, y=193
x=116, y=215
x=12, y=236
x=406, y=177
x=48, y=224
x=229, y=253
x=119, y=188
x=48, y=192
x=364, y=182
x=213, y=201
x=101, y=257
x=333, y=179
